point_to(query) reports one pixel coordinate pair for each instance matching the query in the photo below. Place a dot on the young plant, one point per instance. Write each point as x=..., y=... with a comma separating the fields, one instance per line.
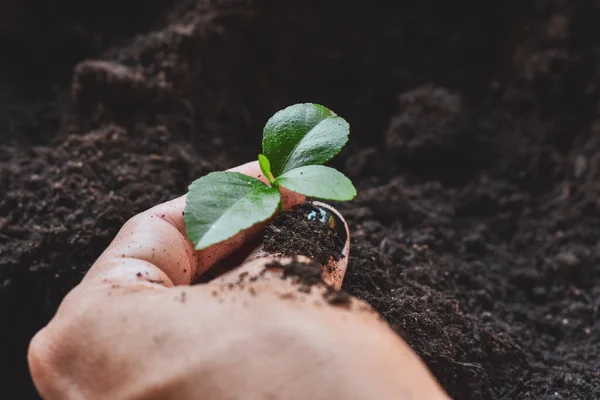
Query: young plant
x=296, y=141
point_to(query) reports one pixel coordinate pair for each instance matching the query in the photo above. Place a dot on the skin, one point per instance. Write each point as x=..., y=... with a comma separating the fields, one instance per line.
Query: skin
x=134, y=328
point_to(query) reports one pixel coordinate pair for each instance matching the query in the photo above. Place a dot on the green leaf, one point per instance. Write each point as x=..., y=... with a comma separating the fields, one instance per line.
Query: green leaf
x=265, y=167
x=318, y=181
x=303, y=134
x=221, y=204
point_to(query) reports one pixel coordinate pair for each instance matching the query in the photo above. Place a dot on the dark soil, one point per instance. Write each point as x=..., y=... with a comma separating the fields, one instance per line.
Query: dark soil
x=475, y=148
x=308, y=274
x=300, y=231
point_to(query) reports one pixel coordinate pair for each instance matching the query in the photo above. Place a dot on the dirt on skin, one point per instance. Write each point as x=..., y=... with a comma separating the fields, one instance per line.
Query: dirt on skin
x=307, y=275
x=475, y=148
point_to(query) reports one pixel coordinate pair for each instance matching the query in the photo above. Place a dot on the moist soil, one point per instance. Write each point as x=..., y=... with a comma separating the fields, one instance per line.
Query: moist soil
x=306, y=230
x=307, y=275
x=475, y=148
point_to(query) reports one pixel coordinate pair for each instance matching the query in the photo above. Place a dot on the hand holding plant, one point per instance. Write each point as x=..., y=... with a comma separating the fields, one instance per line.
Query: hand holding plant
x=296, y=141
x=135, y=327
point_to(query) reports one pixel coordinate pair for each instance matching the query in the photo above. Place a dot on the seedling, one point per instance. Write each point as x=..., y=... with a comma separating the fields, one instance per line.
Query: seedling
x=296, y=141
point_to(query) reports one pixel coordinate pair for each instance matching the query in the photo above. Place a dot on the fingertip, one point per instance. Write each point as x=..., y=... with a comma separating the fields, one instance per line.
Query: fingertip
x=336, y=270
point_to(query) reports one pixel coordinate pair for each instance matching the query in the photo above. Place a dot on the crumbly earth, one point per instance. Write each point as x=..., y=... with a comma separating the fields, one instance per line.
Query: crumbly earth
x=307, y=275
x=475, y=149
x=291, y=233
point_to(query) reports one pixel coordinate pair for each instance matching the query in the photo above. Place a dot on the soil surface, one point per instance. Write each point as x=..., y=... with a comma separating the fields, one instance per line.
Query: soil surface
x=475, y=148
x=306, y=230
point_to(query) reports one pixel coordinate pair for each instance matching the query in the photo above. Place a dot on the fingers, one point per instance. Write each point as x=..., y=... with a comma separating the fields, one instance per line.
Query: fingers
x=147, y=347
x=334, y=272
x=152, y=248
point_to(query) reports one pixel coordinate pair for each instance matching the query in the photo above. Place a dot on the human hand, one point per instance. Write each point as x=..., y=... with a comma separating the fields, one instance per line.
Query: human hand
x=134, y=328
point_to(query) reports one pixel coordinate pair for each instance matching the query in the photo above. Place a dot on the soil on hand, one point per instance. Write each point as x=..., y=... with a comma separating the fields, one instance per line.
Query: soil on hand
x=309, y=274
x=475, y=150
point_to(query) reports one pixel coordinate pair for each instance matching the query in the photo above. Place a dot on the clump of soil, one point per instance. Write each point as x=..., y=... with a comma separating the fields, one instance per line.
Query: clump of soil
x=307, y=275
x=337, y=297
x=294, y=232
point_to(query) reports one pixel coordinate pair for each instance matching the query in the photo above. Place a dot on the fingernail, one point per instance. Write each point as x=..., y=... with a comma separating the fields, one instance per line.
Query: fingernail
x=314, y=212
